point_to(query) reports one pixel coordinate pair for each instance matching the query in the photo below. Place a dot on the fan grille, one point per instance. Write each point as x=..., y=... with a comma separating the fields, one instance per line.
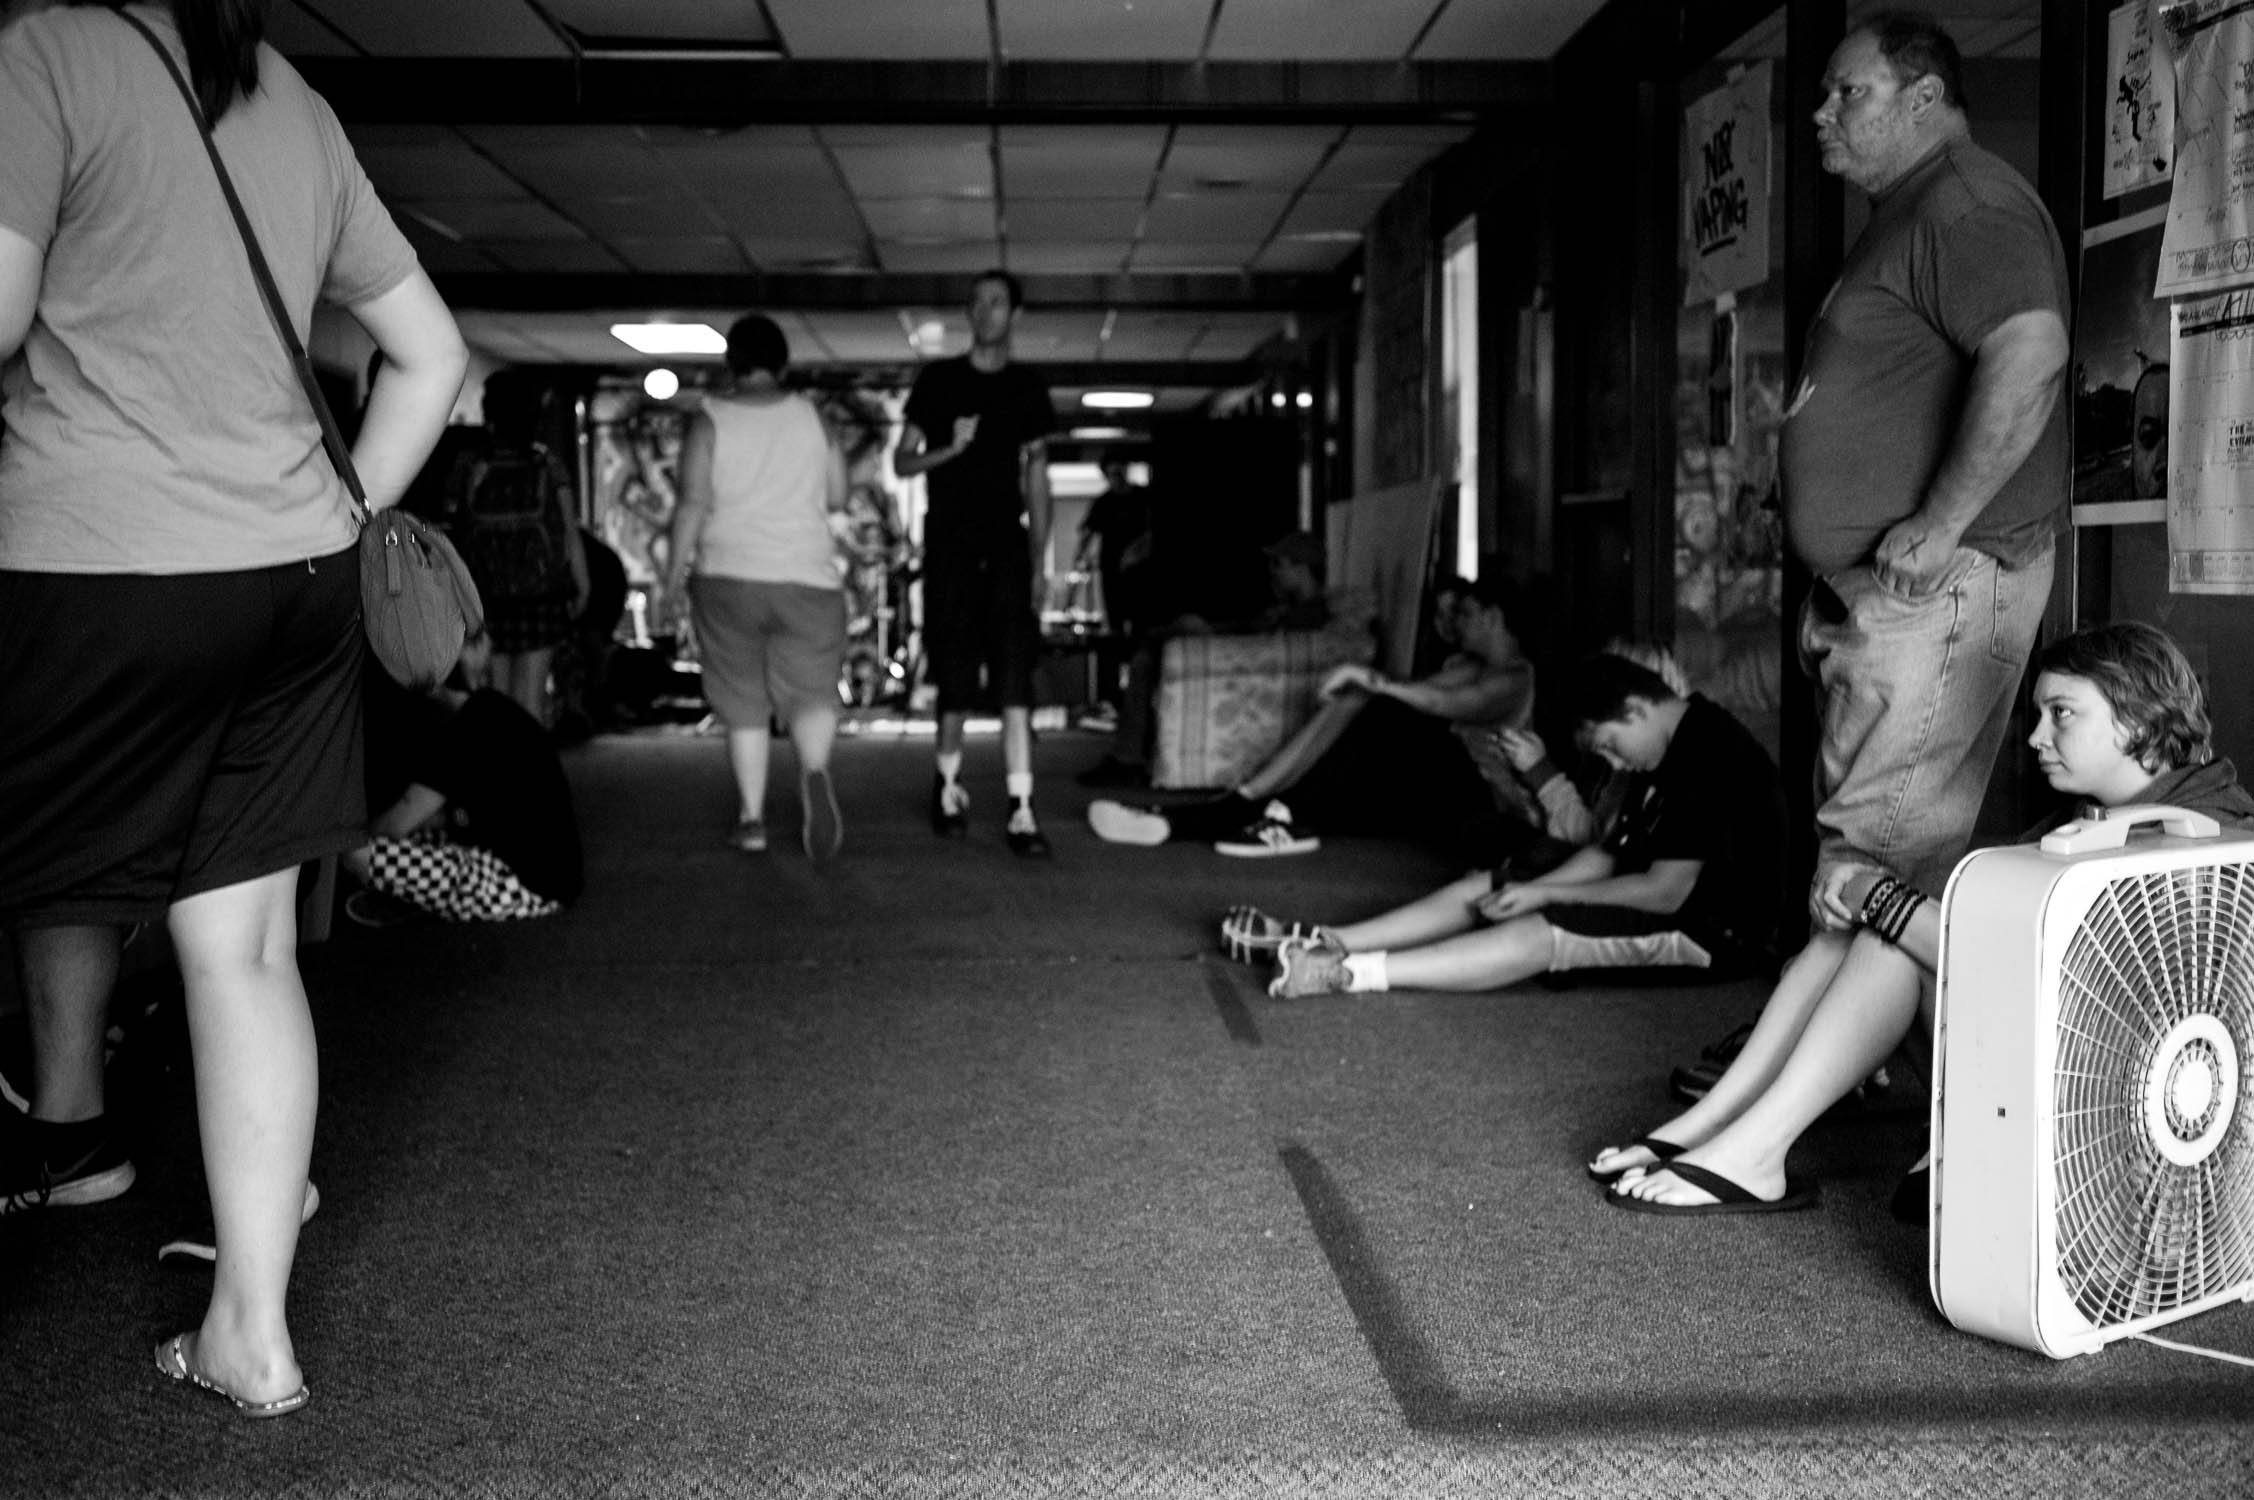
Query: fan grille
x=2156, y=997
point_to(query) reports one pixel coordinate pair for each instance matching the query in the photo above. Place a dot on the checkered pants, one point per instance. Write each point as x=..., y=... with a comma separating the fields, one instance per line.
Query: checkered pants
x=456, y=882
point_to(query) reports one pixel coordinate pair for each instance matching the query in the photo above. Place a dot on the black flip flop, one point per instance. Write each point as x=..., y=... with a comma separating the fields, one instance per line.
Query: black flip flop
x=1665, y=1151
x=1729, y=1197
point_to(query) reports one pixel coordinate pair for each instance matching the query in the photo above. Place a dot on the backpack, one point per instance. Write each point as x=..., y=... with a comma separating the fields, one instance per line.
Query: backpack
x=510, y=527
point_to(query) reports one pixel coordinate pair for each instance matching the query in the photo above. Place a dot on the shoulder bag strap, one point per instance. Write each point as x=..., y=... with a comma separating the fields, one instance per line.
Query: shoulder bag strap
x=331, y=437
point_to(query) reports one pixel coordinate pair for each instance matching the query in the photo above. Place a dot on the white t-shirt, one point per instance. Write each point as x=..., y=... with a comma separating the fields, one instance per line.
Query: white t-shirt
x=770, y=494
x=153, y=421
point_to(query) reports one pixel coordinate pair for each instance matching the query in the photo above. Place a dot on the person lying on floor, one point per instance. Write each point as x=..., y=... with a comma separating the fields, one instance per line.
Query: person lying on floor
x=1379, y=757
x=1688, y=877
x=484, y=829
x=2120, y=719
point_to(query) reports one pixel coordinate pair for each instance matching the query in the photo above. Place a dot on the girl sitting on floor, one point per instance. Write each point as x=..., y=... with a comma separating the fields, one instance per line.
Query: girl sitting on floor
x=2120, y=719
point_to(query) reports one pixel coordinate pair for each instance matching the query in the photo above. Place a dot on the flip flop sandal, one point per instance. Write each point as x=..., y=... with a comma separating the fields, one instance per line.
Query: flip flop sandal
x=1661, y=1151
x=172, y=1362
x=1729, y=1197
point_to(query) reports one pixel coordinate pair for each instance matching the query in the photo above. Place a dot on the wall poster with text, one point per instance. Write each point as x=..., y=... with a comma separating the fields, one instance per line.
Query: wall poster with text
x=1726, y=188
x=2211, y=446
x=2208, y=247
x=2140, y=110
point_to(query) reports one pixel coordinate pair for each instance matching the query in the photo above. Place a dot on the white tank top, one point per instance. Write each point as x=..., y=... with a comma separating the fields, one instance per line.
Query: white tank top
x=770, y=470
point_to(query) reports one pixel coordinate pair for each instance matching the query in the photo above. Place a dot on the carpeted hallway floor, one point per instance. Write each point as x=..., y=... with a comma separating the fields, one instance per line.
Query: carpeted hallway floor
x=944, y=1174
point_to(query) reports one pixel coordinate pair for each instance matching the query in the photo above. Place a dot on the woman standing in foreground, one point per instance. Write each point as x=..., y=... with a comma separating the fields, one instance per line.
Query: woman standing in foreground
x=180, y=638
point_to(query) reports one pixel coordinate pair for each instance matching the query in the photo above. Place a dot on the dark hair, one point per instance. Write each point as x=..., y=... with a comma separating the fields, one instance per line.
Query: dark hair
x=1600, y=687
x=511, y=405
x=2148, y=682
x=1915, y=46
x=221, y=39
x=756, y=343
x=1491, y=591
x=1010, y=284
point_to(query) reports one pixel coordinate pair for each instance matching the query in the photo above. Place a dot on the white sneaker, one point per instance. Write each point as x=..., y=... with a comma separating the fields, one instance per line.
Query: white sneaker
x=1117, y=823
x=1269, y=837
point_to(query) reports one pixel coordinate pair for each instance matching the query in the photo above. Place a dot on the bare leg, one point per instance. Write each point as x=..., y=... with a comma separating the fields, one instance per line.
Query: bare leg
x=813, y=730
x=257, y=1087
x=523, y=675
x=1017, y=740
x=1312, y=741
x=1862, y=1017
x=747, y=757
x=951, y=733
x=1444, y=913
x=1774, y=1035
x=68, y=974
x=1484, y=960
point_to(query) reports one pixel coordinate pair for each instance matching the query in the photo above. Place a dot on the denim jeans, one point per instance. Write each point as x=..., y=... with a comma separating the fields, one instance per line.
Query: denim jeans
x=1914, y=693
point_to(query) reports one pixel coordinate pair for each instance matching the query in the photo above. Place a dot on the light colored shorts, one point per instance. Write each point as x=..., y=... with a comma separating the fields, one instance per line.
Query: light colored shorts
x=766, y=647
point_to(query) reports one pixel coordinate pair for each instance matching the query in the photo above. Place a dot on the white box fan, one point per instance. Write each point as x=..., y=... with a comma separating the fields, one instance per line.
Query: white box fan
x=2093, y=1140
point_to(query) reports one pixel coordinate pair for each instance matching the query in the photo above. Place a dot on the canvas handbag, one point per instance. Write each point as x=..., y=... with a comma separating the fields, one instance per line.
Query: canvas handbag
x=417, y=599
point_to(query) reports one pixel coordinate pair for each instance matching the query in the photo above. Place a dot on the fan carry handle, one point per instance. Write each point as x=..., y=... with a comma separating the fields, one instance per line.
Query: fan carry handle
x=2110, y=828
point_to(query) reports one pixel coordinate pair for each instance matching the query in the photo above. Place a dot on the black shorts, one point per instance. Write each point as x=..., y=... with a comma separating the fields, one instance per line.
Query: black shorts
x=164, y=736
x=978, y=613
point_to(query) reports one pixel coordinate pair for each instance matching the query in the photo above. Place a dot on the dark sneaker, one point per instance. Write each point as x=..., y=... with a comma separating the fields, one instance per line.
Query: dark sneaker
x=1268, y=837
x=1025, y=836
x=61, y=1166
x=749, y=836
x=950, y=808
x=824, y=830
x=1691, y=1082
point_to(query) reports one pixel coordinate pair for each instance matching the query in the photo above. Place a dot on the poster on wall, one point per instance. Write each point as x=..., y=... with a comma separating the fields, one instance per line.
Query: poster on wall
x=2140, y=112
x=2121, y=338
x=2207, y=248
x=1726, y=188
x=2211, y=446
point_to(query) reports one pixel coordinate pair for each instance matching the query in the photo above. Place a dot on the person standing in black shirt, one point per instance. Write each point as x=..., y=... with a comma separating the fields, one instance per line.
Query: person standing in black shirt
x=977, y=426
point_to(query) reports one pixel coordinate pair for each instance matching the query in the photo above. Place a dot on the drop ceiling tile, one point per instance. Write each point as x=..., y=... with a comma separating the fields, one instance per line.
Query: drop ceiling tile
x=941, y=259
x=1229, y=216
x=1304, y=256
x=859, y=335
x=1277, y=159
x=1372, y=166
x=750, y=214
x=1090, y=258
x=1087, y=162
x=1099, y=29
x=1050, y=336
x=551, y=255
x=295, y=33
x=1524, y=30
x=772, y=252
x=569, y=161
x=1148, y=336
x=906, y=169
x=649, y=216
x=1331, y=214
x=1111, y=219
x=907, y=30
x=442, y=28
x=662, y=21
x=1329, y=30
x=696, y=255
x=441, y=167
x=933, y=219
x=1216, y=256
x=483, y=219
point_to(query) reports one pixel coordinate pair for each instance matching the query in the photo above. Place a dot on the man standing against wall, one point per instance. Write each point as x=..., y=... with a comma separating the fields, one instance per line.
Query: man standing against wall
x=977, y=425
x=1925, y=462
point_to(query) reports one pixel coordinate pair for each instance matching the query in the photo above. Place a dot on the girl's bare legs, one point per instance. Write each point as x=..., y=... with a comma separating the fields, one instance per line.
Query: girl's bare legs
x=1484, y=960
x=1864, y=1014
x=257, y=1085
x=1774, y=1035
x=523, y=675
x=748, y=750
x=1444, y=913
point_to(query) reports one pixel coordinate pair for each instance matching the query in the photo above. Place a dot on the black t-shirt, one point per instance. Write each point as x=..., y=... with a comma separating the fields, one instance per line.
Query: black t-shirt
x=497, y=770
x=976, y=497
x=1714, y=798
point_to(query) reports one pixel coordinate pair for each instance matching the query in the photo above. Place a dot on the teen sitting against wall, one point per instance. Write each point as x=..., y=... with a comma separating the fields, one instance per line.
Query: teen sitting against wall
x=2120, y=719
x=1379, y=757
x=1689, y=876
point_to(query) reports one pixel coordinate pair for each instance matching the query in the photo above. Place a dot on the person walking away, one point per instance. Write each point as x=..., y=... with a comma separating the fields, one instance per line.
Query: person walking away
x=180, y=637
x=752, y=549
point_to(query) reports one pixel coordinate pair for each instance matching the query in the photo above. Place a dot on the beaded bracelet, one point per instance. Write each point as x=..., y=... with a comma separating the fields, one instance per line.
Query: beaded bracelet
x=1889, y=906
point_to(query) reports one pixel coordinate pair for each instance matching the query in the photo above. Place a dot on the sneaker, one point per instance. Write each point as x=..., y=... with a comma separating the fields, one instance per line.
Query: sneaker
x=1249, y=934
x=1306, y=968
x=199, y=1247
x=1691, y=1082
x=824, y=830
x=1268, y=837
x=749, y=836
x=950, y=808
x=1025, y=836
x=61, y=1166
x=1117, y=823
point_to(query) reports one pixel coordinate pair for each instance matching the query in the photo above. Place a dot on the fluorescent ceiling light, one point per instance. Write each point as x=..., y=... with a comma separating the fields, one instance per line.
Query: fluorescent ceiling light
x=1118, y=400
x=670, y=338
x=1098, y=434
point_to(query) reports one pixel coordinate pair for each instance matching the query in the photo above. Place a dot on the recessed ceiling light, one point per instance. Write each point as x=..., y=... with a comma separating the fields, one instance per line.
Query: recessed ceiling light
x=661, y=384
x=670, y=338
x=1118, y=400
